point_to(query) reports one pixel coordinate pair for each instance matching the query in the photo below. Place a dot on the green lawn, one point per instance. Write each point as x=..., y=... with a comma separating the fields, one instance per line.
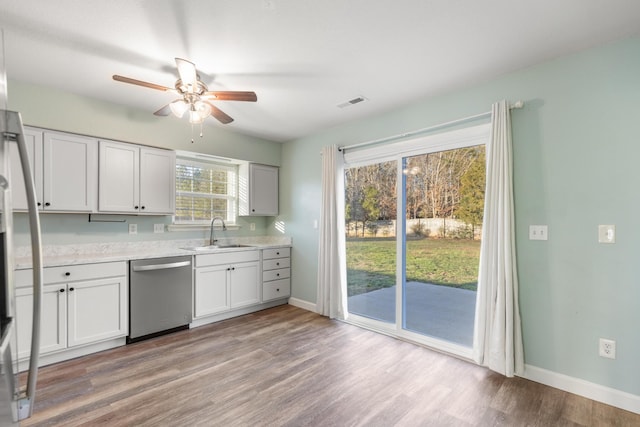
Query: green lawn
x=371, y=263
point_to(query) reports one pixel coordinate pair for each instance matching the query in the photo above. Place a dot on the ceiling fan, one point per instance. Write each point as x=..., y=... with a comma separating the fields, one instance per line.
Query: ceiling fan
x=195, y=97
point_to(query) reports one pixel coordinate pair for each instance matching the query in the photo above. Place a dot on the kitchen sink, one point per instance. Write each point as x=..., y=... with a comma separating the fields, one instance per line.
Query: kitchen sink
x=201, y=248
x=213, y=247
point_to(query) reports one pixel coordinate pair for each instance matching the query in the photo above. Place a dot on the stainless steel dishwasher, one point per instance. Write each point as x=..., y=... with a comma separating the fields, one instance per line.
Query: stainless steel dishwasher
x=160, y=298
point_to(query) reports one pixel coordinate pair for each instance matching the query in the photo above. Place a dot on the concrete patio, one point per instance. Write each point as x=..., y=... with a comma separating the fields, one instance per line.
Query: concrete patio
x=438, y=311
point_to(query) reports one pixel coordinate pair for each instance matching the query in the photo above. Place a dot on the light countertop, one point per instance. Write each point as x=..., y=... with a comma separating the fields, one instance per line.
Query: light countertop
x=59, y=255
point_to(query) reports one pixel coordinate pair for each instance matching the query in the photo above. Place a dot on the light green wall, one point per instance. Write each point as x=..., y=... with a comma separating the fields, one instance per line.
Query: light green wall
x=64, y=229
x=576, y=151
x=53, y=109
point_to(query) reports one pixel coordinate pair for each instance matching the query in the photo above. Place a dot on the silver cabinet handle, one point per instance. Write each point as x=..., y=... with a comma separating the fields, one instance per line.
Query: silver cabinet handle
x=152, y=267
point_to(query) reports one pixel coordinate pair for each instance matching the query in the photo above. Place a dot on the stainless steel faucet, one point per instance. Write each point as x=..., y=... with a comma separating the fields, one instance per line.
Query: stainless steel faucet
x=212, y=239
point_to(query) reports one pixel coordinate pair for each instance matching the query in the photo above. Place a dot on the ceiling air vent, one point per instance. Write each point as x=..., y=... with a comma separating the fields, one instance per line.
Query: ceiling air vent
x=353, y=101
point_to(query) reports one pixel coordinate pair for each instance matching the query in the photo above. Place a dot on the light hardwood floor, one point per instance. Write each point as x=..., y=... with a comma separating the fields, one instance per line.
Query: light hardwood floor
x=289, y=367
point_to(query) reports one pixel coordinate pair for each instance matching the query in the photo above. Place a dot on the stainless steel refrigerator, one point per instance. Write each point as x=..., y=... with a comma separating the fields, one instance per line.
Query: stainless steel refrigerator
x=16, y=403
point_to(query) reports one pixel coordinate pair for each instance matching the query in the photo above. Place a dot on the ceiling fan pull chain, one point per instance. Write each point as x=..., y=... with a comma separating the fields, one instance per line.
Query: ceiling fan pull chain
x=201, y=130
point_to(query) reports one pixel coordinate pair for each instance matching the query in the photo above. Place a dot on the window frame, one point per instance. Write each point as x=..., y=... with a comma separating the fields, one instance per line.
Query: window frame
x=213, y=163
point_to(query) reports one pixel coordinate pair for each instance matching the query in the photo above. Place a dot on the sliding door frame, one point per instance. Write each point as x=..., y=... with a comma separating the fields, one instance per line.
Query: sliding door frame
x=398, y=151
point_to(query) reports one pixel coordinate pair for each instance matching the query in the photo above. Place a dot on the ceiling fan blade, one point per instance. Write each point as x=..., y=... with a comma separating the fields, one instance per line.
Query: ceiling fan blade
x=140, y=83
x=164, y=111
x=231, y=96
x=187, y=71
x=222, y=117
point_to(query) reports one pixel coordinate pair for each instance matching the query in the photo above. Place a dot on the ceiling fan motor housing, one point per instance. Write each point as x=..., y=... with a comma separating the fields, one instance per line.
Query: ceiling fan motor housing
x=199, y=89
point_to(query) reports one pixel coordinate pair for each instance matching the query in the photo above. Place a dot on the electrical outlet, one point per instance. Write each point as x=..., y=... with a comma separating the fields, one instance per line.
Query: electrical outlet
x=158, y=228
x=607, y=348
x=252, y=226
x=133, y=228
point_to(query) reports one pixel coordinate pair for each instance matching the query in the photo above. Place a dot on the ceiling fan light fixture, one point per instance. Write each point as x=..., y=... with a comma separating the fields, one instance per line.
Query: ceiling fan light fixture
x=195, y=117
x=199, y=111
x=203, y=108
x=179, y=107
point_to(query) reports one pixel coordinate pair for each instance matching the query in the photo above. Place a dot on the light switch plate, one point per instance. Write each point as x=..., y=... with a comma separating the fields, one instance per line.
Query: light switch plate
x=606, y=234
x=158, y=228
x=538, y=232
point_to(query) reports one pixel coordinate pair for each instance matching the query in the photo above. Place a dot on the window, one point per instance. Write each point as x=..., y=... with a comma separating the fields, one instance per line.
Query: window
x=205, y=189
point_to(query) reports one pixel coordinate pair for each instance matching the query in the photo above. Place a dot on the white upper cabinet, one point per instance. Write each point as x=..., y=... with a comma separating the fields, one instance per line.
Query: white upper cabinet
x=136, y=179
x=64, y=168
x=157, y=180
x=119, y=177
x=33, y=138
x=258, y=190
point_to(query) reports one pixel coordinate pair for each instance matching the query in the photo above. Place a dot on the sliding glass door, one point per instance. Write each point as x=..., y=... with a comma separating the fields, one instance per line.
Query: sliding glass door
x=370, y=216
x=413, y=228
x=443, y=204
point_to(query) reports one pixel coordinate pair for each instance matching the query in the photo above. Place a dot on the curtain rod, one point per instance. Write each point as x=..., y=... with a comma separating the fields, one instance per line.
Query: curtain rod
x=516, y=105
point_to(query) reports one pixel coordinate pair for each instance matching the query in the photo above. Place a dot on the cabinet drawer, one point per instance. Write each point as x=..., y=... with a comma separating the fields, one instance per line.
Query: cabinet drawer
x=276, y=274
x=273, y=264
x=226, y=258
x=23, y=278
x=276, y=289
x=276, y=253
x=72, y=273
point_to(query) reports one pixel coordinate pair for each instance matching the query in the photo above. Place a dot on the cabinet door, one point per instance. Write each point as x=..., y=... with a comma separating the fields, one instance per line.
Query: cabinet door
x=70, y=172
x=118, y=177
x=263, y=190
x=245, y=284
x=53, y=332
x=157, y=181
x=211, y=293
x=33, y=138
x=97, y=310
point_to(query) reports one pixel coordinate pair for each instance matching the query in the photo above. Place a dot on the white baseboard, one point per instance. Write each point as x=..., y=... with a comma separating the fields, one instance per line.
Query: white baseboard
x=619, y=399
x=300, y=303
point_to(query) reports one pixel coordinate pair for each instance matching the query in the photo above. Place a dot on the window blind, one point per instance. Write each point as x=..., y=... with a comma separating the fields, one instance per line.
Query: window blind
x=205, y=190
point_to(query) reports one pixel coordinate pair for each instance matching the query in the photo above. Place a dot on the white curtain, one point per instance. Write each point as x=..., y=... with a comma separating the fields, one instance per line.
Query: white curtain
x=498, y=335
x=332, y=277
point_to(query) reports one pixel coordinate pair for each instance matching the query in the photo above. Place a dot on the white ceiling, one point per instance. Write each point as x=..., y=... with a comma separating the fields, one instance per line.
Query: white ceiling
x=302, y=57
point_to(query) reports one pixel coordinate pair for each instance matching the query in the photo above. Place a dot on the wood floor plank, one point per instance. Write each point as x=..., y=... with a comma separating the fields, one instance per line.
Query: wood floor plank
x=290, y=367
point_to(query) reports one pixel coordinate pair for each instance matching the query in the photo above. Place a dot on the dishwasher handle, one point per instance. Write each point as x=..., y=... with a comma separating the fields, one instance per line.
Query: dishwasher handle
x=152, y=267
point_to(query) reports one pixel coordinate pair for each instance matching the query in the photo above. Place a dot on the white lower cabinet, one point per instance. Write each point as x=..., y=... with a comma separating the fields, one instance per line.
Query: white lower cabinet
x=212, y=291
x=96, y=310
x=225, y=281
x=245, y=284
x=53, y=332
x=82, y=305
x=233, y=283
x=276, y=273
